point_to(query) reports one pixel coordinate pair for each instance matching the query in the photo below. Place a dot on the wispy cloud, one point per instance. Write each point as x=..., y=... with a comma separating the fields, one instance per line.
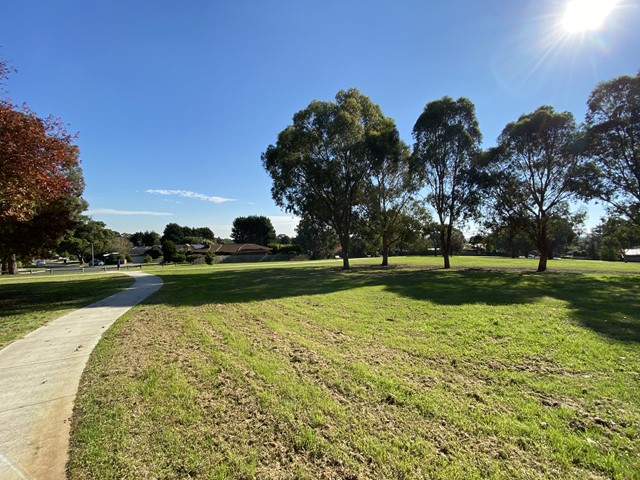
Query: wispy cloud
x=111, y=211
x=189, y=194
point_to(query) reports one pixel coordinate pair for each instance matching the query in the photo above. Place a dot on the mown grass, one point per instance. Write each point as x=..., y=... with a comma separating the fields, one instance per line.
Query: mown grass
x=27, y=303
x=403, y=372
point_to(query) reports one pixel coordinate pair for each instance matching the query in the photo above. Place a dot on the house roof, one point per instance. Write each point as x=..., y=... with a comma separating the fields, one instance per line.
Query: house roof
x=142, y=249
x=239, y=248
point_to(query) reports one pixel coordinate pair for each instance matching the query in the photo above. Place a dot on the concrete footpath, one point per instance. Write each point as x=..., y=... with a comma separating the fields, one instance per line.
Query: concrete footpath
x=39, y=378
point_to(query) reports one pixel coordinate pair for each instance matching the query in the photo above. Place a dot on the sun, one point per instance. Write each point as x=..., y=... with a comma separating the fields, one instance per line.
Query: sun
x=582, y=15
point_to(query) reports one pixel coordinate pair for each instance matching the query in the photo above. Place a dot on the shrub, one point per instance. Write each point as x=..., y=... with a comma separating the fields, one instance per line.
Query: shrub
x=147, y=259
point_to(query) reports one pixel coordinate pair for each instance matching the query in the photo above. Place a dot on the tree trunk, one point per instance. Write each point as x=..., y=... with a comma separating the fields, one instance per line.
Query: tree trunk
x=385, y=251
x=12, y=264
x=543, y=245
x=345, y=252
x=542, y=263
x=445, y=241
x=5, y=266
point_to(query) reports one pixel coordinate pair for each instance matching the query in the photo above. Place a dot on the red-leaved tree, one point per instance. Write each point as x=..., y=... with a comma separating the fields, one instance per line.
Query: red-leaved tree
x=39, y=174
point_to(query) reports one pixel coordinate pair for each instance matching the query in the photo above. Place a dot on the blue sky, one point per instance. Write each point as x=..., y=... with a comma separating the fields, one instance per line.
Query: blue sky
x=175, y=101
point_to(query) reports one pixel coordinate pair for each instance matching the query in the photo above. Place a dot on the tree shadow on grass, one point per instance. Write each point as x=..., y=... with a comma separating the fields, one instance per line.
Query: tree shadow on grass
x=55, y=295
x=607, y=304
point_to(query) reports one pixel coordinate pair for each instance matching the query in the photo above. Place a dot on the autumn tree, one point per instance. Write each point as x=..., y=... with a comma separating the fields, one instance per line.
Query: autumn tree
x=447, y=141
x=321, y=162
x=613, y=121
x=253, y=229
x=534, y=171
x=39, y=175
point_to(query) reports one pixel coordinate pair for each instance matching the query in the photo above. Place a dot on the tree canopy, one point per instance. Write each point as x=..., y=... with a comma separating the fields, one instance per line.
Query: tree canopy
x=447, y=141
x=534, y=168
x=146, y=238
x=613, y=121
x=179, y=234
x=321, y=162
x=253, y=229
x=40, y=185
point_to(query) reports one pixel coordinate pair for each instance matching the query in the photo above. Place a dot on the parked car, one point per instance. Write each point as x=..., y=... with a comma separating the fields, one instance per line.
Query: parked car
x=98, y=263
x=41, y=263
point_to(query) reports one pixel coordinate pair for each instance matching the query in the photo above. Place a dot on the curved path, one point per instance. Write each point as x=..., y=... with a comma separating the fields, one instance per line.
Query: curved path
x=39, y=378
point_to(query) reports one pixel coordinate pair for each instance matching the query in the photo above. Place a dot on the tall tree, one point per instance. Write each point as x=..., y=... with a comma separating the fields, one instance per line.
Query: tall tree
x=534, y=170
x=389, y=191
x=321, y=162
x=447, y=141
x=613, y=120
x=39, y=174
x=253, y=229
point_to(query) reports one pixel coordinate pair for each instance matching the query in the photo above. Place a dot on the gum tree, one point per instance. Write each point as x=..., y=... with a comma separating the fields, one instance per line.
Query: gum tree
x=613, y=121
x=535, y=172
x=447, y=141
x=321, y=162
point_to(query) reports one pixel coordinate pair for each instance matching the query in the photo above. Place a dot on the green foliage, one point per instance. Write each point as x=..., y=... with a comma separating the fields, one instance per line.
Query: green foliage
x=321, y=163
x=613, y=120
x=88, y=232
x=256, y=229
x=209, y=258
x=179, y=258
x=288, y=248
x=610, y=239
x=533, y=170
x=317, y=240
x=447, y=142
x=147, y=259
x=178, y=234
x=169, y=250
x=146, y=238
x=388, y=193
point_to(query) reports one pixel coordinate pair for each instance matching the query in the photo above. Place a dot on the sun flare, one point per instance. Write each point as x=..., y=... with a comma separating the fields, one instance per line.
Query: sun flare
x=583, y=15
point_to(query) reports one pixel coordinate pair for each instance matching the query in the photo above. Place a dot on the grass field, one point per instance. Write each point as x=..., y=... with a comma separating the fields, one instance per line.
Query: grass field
x=306, y=371
x=28, y=302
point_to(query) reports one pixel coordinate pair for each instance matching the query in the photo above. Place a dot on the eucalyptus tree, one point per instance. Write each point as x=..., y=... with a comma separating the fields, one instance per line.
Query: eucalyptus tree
x=613, y=121
x=447, y=142
x=535, y=171
x=320, y=163
x=390, y=189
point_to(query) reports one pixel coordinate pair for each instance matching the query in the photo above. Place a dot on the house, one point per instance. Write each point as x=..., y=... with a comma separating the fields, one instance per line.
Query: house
x=632, y=255
x=240, y=249
x=225, y=249
x=139, y=253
